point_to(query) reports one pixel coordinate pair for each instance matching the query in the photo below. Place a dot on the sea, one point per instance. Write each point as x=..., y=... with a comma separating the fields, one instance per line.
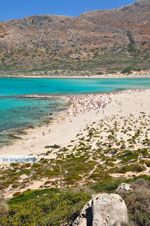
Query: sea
x=17, y=111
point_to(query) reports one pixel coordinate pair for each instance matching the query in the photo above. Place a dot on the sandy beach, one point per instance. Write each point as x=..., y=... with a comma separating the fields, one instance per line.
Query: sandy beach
x=117, y=75
x=97, y=130
x=83, y=111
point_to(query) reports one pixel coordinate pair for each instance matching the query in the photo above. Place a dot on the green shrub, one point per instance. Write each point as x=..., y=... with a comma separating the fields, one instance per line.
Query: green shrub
x=51, y=207
x=129, y=155
x=131, y=168
x=127, y=70
x=110, y=185
x=147, y=163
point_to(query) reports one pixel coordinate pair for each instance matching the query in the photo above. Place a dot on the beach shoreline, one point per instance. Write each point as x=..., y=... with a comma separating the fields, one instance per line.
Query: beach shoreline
x=82, y=111
x=76, y=75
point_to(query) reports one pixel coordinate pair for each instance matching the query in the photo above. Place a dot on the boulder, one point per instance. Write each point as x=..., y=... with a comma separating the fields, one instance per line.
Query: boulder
x=85, y=218
x=124, y=187
x=103, y=210
x=109, y=210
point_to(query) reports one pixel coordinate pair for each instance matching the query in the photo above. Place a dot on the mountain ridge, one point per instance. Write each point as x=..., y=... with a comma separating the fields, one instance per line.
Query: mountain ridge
x=101, y=40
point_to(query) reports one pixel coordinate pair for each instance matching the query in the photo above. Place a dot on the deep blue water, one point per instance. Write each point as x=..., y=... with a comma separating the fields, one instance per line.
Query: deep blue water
x=21, y=112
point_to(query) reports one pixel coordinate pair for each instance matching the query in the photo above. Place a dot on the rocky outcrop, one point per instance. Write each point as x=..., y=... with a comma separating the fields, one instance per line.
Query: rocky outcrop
x=103, y=210
x=124, y=187
x=86, y=215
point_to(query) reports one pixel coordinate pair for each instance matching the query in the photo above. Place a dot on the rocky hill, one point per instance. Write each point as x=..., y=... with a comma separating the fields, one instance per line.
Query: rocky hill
x=97, y=41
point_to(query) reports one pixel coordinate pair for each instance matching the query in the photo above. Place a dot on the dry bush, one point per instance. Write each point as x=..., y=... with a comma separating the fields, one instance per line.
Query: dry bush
x=138, y=203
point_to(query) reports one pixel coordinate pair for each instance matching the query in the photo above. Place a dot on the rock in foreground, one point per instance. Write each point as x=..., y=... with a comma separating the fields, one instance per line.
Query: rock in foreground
x=103, y=210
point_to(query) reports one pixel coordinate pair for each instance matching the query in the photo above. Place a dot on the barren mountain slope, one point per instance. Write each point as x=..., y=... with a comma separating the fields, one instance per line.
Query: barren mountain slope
x=98, y=40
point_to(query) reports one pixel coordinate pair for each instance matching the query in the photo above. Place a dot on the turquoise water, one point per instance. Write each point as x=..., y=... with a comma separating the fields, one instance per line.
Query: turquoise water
x=18, y=112
x=17, y=86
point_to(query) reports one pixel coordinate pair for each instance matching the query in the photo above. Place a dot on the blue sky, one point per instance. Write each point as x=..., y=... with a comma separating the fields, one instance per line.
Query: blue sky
x=10, y=9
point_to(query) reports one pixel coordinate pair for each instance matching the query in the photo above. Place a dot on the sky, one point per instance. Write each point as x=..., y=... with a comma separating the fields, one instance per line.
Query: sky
x=12, y=9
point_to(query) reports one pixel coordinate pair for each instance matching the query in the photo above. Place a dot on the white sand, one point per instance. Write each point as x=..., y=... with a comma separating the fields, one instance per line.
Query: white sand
x=83, y=111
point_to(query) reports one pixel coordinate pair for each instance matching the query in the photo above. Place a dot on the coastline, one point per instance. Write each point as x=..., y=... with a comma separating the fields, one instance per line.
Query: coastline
x=78, y=76
x=83, y=110
x=133, y=74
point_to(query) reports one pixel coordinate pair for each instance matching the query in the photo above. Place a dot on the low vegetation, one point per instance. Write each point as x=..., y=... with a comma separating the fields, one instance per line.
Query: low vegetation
x=138, y=203
x=44, y=207
x=53, y=207
x=98, y=160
